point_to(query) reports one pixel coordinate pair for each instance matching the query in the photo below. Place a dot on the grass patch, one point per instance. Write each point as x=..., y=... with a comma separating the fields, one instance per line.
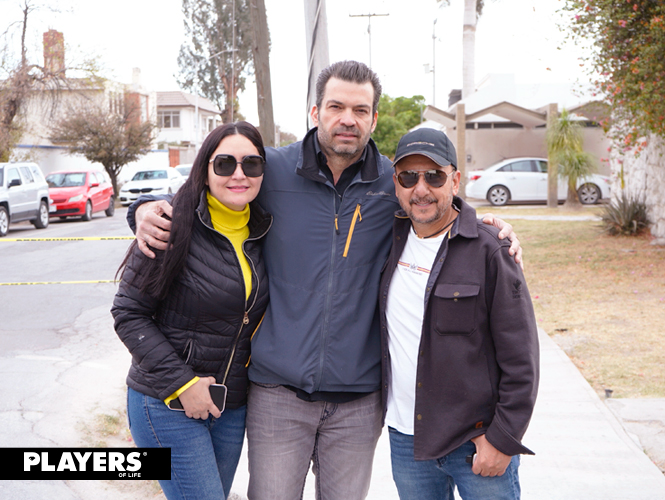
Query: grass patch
x=601, y=298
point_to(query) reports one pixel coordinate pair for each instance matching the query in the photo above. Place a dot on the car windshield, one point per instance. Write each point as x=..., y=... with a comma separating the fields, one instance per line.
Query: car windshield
x=2, y=175
x=184, y=170
x=66, y=180
x=150, y=174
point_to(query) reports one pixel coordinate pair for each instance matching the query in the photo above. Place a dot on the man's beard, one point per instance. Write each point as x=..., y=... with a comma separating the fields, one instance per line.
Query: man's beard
x=342, y=150
x=437, y=215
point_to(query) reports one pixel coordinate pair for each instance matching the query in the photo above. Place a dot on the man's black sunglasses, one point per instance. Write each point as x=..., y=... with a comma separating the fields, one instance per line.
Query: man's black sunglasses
x=435, y=178
x=225, y=165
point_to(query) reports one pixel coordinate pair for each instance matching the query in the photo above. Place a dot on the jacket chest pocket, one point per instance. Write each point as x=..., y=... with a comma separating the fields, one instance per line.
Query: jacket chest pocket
x=454, y=309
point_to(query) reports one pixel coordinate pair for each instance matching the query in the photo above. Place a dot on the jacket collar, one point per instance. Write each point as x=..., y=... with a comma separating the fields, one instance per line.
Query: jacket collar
x=309, y=160
x=466, y=224
x=259, y=220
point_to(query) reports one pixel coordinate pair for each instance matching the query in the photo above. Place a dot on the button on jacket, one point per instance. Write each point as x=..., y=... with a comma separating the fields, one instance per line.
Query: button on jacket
x=478, y=360
x=204, y=324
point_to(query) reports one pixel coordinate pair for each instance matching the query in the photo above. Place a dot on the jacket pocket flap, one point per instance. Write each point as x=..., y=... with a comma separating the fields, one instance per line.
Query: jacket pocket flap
x=453, y=291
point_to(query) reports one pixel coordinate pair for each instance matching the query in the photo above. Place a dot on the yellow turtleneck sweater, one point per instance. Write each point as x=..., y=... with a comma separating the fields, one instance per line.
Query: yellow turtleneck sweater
x=233, y=225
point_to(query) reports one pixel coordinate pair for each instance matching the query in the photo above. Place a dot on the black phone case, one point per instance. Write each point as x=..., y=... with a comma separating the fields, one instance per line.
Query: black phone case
x=217, y=393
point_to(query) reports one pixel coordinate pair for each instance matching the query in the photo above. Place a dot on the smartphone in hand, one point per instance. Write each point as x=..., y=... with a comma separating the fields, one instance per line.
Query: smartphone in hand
x=217, y=393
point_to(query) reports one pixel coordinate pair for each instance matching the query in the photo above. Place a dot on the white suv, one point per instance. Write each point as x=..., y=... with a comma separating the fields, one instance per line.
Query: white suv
x=23, y=195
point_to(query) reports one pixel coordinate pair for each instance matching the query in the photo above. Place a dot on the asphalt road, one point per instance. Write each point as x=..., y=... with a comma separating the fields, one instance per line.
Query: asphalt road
x=61, y=364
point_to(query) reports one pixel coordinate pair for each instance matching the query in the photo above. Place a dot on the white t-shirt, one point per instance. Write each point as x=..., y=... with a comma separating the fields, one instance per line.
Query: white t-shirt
x=404, y=314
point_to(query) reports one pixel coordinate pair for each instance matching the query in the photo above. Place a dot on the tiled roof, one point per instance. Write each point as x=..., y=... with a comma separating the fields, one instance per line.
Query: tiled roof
x=178, y=98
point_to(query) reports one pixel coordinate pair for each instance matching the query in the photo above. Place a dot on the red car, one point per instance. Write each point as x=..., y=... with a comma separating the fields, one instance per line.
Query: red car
x=80, y=193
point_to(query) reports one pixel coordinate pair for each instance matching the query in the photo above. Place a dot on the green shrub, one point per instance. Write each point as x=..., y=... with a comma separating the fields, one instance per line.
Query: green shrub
x=625, y=216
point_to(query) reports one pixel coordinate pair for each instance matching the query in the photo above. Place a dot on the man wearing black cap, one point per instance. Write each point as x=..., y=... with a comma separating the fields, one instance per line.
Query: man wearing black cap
x=459, y=337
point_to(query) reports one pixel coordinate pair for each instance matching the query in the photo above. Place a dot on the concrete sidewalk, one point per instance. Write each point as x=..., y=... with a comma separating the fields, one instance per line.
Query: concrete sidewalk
x=582, y=449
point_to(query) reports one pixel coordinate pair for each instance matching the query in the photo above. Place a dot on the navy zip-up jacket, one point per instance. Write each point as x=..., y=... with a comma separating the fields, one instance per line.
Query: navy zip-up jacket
x=324, y=255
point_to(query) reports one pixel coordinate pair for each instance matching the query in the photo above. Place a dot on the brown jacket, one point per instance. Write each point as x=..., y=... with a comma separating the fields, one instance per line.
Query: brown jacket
x=478, y=365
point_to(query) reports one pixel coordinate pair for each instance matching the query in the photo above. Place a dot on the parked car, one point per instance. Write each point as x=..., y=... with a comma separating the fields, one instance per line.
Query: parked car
x=525, y=179
x=80, y=193
x=23, y=195
x=153, y=181
x=184, y=169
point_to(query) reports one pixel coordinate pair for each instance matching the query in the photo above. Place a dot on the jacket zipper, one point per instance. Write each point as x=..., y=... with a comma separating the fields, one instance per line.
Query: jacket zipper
x=357, y=216
x=245, y=319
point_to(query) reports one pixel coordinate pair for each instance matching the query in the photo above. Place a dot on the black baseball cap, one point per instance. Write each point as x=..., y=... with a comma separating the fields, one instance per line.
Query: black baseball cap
x=427, y=142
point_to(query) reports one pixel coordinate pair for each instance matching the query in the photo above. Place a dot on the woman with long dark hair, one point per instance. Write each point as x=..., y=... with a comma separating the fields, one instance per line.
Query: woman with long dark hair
x=187, y=317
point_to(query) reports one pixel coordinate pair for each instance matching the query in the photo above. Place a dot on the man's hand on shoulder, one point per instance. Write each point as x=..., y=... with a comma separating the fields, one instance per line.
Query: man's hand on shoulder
x=506, y=231
x=152, y=229
x=489, y=462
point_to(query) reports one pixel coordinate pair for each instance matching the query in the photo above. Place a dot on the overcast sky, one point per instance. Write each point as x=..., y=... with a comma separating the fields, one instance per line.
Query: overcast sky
x=513, y=36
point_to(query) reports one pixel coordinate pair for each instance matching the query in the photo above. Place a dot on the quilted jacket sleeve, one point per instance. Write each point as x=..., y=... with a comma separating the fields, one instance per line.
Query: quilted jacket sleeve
x=152, y=353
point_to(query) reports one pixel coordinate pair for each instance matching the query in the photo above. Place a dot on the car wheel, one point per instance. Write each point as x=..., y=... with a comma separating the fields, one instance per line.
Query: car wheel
x=88, y=211
x=111, y=209
x=588, y=193
x=498, y=195
x=4, y=221
x=41, y=222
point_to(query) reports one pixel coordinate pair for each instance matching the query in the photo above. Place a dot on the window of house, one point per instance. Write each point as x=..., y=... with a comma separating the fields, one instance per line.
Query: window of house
x=168, y=119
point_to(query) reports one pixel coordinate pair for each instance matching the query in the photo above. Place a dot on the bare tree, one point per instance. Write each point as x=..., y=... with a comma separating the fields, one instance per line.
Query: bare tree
x=22, y=80
x=113, y=139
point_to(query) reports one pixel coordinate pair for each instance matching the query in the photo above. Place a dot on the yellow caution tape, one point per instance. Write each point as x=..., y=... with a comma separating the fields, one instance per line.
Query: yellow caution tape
x=57, y=282
x=75, y=238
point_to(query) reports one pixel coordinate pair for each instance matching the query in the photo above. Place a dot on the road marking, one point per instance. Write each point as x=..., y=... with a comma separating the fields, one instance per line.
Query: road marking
x=74, y=238
x=34, y=357
x=86, y=282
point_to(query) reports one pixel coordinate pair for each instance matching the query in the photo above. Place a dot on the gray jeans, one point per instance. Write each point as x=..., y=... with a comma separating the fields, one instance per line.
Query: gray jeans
x=286, y=433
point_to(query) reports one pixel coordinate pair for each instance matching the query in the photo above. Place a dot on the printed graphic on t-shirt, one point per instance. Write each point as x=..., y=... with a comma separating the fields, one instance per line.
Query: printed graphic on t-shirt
x=412, y=267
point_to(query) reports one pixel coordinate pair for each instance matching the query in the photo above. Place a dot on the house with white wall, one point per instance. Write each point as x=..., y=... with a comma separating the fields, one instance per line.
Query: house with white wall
x=184, y=120
x=504, y=119
x=47, y=105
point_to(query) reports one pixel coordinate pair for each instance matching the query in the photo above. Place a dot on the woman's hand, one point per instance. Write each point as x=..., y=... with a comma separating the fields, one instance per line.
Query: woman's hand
x=197, y=402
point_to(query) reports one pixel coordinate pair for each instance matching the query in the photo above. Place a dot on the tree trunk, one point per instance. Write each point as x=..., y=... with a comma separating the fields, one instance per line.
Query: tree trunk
x=261, y=53
x=552, y=165
x=643, y=180
x=469, y=48
x=572, y=200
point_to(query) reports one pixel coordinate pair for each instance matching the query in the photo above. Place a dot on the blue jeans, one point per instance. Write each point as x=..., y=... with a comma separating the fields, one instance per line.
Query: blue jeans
x=204, y=453
x=436, y=479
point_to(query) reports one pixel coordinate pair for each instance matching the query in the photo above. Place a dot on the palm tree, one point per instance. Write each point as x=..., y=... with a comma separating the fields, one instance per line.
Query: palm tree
x=565, y=145
x=472, y=11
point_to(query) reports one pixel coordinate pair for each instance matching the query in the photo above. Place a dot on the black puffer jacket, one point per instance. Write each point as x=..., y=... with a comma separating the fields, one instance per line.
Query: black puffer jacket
x=204, y=322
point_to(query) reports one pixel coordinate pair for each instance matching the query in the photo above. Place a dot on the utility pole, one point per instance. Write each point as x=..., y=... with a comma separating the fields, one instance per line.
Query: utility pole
x=369, y=29
x=316, y=34
x=261, y=55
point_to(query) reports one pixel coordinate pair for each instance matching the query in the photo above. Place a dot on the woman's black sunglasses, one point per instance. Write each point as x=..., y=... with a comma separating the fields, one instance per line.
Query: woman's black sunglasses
x=435, y=178
x=225, y=165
